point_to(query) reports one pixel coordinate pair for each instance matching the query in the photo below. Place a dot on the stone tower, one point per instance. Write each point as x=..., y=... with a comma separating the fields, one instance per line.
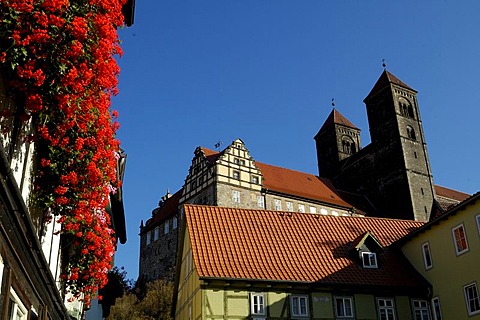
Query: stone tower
x=392, y=174
x=338, y=139
x=404, y=175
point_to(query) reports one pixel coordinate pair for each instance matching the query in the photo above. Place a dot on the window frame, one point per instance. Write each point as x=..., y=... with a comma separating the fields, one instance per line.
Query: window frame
x=477, y=218
x=261, y=202
x=420, y=308
x=289, y=205
x=236, y=174
x=174, y=223
x=426, y=252
x=149, y=238
x=16, y=304
x=236, y=196
x=277, y=204
x=343, y=299
x=392, y=307
x=475, y=299
x=370, y=265
x=302, y=206
x=255, y=179
x=436, y=302
x=166, y=227
x=455, y=242
x=298, y=313
x=156, y=233
x=263, y=304
x=312, y=209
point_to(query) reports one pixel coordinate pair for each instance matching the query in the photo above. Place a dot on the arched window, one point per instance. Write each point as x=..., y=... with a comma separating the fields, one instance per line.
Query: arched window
x=348, y=145
x=406, y=108
x=411, y=133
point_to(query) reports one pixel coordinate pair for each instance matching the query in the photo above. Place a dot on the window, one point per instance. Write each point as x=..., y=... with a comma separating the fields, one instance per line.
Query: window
x=427, y=256
x=236, y=161
x=16, y=307
x=175, y=223
x=411, y=133
x=420, y=310
x=478, y=223
x=236, y=175
x=149, y=238
x=386, y=311
x=257, y=304
x=323, y=211
x=460, y=239
x=437, y=313
x=313, y=209
x=343, y=307
x=472, y=299
x=166, y=227
x=289, y=206
x=299, y=306
x=369, y=260
x=301, y=208
x=236, y=196
x=261, y=202
x=255, y=180
x=155, y=234
x=1, y=272
x=277, y=204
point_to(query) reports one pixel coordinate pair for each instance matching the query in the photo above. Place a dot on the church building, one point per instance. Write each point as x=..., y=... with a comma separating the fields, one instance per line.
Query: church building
x=389, y=178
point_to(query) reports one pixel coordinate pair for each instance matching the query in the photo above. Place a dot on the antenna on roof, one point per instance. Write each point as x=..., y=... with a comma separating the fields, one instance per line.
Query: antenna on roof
x=218, y=144
x=384, y=65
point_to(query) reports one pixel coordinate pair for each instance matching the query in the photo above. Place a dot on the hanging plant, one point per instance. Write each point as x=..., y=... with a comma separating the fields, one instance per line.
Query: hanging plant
x=59, y=56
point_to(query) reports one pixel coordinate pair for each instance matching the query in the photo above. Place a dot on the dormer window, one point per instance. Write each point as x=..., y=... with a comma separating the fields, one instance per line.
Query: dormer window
x=369, y=260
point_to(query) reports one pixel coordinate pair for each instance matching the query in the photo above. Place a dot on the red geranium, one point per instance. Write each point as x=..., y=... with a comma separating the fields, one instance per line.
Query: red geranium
x=60, y=55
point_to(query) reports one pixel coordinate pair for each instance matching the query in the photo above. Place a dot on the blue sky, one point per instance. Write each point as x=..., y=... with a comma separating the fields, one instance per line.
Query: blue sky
x=198, y=72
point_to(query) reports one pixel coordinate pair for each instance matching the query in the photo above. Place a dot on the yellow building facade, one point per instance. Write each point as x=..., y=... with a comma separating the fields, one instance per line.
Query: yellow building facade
x=446, y=252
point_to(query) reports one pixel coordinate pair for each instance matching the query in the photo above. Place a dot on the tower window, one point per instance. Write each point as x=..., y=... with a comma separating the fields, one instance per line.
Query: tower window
x=406, y=109
x=348, y=146
x=411, y=133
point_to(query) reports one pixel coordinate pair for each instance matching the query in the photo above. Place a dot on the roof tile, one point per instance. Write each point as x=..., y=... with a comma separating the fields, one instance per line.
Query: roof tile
x=246, y=244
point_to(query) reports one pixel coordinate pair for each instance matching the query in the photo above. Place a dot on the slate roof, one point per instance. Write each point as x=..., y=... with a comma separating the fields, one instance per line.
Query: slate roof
x=386, y=78
x=293, y=182
x=242, y=244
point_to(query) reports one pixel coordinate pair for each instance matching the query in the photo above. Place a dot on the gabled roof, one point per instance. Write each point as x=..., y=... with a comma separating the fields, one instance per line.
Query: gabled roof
x=292, y=182
x=241, y=244
x=336, y=117
x=360, y=241
x=386, y=78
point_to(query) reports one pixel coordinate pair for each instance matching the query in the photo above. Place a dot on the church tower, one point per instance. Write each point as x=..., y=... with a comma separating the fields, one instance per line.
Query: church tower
x=336, y=140
x=404, y=180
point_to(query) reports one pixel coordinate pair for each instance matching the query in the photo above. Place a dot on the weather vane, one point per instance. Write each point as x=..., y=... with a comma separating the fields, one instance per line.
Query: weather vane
x=333, y=102
x=384, y=65
x=218, y=144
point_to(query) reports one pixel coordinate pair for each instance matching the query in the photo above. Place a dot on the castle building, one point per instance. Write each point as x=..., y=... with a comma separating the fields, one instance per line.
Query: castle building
x=390, y=177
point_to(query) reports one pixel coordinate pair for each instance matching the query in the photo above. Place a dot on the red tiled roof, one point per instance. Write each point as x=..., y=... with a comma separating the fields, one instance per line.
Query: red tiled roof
x=300, y=184
x=450, y=193
x=385, y=79
x=229, y=243
x=336, y=117
x=293, y=182
x=166, y=211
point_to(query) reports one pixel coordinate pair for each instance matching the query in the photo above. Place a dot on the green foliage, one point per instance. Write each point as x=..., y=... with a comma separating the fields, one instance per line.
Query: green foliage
x=155, y=305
